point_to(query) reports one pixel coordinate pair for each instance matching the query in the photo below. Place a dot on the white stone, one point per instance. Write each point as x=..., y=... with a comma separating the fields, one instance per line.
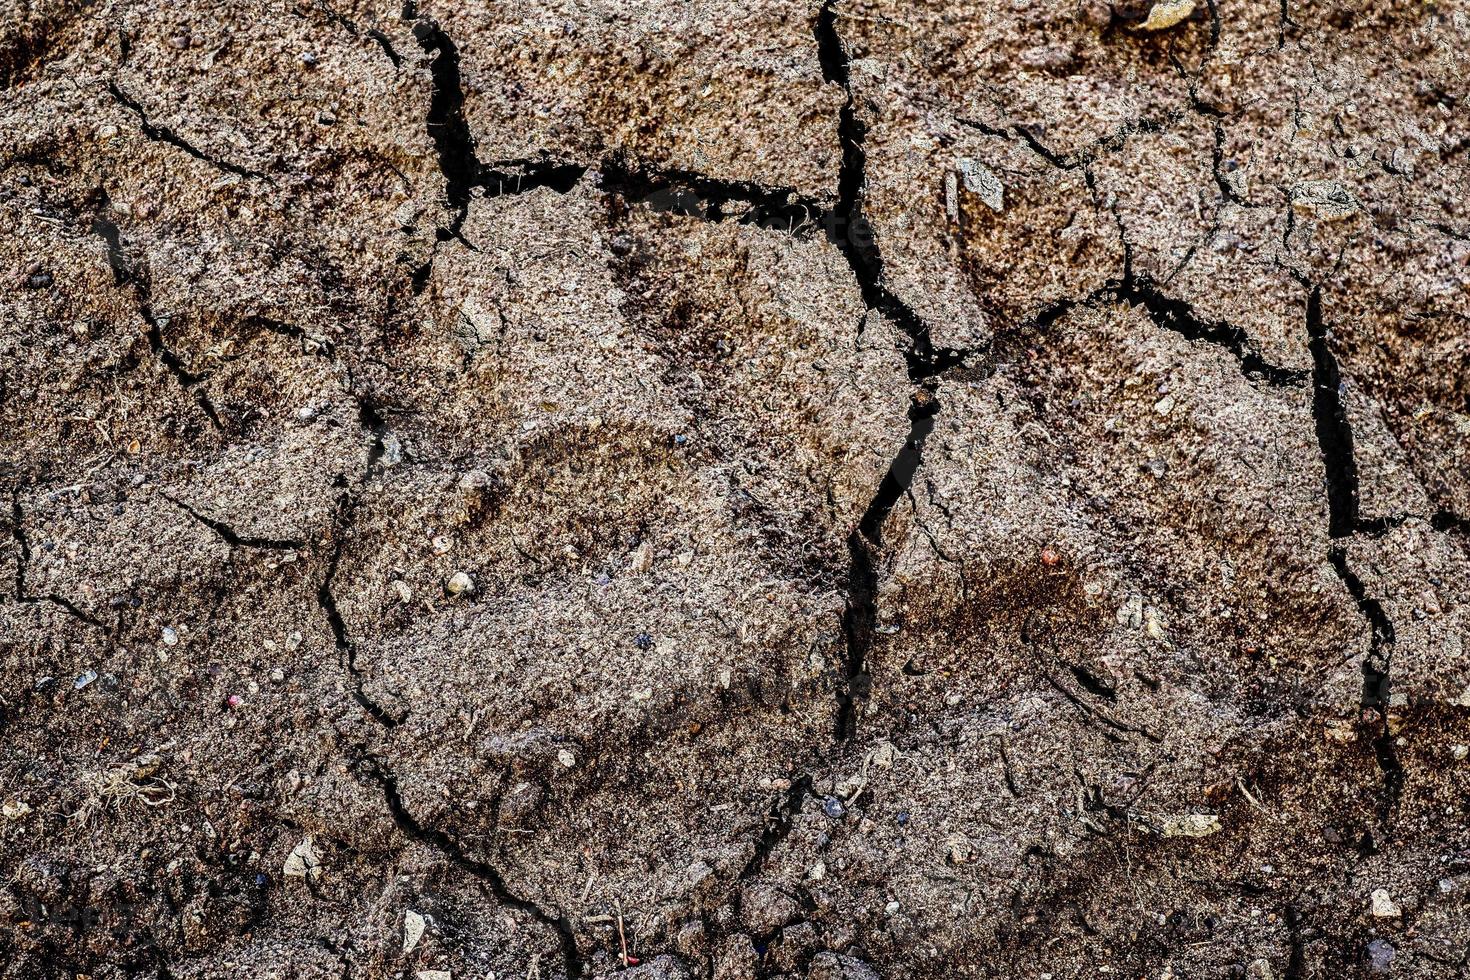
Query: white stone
x=304, y=862
x=1167, y=13
x=414, y=925
x=1190, y=825
x=1382, y=905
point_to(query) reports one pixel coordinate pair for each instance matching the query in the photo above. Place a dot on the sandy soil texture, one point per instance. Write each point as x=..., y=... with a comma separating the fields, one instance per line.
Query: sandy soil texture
x=731, y=489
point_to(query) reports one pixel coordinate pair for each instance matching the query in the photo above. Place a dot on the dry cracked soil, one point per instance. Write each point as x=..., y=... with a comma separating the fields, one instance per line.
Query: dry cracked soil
x=725, y=489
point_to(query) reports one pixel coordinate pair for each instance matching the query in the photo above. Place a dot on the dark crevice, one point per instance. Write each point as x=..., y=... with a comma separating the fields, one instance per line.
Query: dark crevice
x=519, y=176
x=372, y=34
x=345, y=647
x=117, y=259
x=487, y=873
x=851, y=230
x=448, y=128
x=187, y=379
x=22, y=563
x=125, y=273
x=387, y=46
x=1377, y=683
x=864, y=544
x=454, y=145
x=309, y=343
x=1334, y=432
x=1217, y=167
x=1091, y=683
x=1296, y=961
x=232, y=537
x=1180, y=317
x=778, y=825
x=1376, y=667
x=1445, y=520
x=163, y=134
x=709, y=199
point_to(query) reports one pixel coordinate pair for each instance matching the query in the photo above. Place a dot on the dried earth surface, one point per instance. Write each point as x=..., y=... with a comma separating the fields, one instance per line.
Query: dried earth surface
x=820, y=490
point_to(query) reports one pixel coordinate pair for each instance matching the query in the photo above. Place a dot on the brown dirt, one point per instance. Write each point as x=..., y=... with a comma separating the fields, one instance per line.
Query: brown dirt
x=736, y=490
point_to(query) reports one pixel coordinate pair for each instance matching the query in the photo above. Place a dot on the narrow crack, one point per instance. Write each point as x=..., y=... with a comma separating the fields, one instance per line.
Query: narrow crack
x=187, y=379
x=22, y=564
x=1334, y=432
x=855, y=235
x=778, y=825
x=1180, y=317
x=124, y=272
x=1377, y=681
x=864, y=545
x=373, y=34
x=489, y=874
x=700, y=196
x=163, y=134
x=448, y=128
x=1335, y=440
x=372, y=421
x=346, y=649
x=232, y=537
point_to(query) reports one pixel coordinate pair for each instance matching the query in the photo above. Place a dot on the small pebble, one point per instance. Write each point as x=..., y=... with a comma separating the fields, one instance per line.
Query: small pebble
x=644, y=641
x=278, y=676
x=833, y=807
x=566, y=758
x=234, y=700
x=83, y=679
x=170, y=636
x=459, y=582
x=413, y=929
x=1382, y=905
x=1380, y=955
x=1167, y=13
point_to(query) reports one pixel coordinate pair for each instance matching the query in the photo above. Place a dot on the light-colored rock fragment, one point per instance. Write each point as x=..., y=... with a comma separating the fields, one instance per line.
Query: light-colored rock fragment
x=1190, y=825
x=304, y=862
x=1382, y=905
x=981, y=181
x=414, y=925
x=15, y=809
x=1167, y=13
x=1325, y=200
